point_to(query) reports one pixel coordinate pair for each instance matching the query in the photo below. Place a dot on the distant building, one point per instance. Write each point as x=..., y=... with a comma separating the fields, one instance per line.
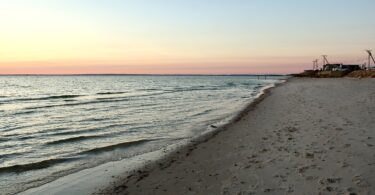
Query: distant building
x=350, y=67
x=330, y=67
x=341, y=67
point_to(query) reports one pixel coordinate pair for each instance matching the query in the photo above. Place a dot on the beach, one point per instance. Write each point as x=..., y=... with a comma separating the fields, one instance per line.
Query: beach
x=308, y=136
x=305, y=136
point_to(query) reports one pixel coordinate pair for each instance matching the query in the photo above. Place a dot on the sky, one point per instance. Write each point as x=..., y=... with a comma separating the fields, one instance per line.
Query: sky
x=180, y=36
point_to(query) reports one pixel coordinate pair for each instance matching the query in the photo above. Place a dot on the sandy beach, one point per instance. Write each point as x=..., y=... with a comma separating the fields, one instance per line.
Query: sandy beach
x=308, y=136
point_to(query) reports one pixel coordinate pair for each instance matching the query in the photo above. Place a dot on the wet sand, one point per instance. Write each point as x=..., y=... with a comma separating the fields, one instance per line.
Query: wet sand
x=308, y=136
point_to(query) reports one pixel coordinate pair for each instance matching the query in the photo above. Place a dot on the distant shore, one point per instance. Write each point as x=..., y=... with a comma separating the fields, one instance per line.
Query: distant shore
x=307, y=136
x=336, y=74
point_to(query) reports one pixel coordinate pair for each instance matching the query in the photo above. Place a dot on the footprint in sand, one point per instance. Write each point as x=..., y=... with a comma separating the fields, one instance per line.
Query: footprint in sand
x=339, y=129
x=359, y=181
x=291, y=129
x=347, y=145
x=309, y=155
x=327, y=182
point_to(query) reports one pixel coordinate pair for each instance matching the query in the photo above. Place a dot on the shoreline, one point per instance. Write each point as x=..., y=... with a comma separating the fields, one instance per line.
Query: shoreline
x=298, y=140
x=90, y=180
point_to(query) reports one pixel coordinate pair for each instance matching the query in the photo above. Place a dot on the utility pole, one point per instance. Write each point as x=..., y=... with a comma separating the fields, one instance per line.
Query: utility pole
x=325, y=61
x=315, y=64
x=369, y=59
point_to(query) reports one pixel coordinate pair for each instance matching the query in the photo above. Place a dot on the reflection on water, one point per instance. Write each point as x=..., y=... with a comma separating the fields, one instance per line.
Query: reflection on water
x=54, y=125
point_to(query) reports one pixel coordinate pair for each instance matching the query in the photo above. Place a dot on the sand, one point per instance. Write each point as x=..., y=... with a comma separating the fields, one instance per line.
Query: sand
x=308, y=136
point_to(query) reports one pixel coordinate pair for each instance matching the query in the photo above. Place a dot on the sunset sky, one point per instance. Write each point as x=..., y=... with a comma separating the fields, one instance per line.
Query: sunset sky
x=181, y=36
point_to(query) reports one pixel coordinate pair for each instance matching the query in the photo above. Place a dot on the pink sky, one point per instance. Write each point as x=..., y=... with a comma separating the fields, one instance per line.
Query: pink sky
x=180, y=37
x=217, y=68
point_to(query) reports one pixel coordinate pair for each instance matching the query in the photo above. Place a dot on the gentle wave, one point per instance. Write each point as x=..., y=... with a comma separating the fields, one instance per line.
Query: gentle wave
x=199, y=88
x=111, y=99
x=10, y=155
x=34, y=166
x=51, y=162
x=25, y=112
x=110, y=93
x=30, y=135
x=230, y=84
x=116, y=146
x=92, y=119
x=151, y=89
x=101, y=100
x=89, y=130
x=58, y=97
x=97, y=101
x=15, y=128
x=43, y=98
x=76, y=104
x=202, y=113
x=75, y=139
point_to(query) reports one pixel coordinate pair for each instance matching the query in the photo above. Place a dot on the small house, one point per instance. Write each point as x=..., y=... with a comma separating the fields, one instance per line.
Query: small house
x=331, y=67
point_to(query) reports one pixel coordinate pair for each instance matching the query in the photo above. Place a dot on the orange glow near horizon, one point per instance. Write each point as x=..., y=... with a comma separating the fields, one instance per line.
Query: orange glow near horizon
x=150, y=69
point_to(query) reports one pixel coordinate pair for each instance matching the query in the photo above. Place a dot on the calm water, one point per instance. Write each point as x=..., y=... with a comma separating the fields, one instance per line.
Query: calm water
x=54, y=125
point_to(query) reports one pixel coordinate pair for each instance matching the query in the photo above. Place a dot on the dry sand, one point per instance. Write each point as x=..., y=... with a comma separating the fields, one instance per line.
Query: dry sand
x=308, y=136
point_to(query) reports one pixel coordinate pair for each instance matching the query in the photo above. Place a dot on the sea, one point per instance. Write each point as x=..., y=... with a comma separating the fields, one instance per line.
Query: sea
x=52, y=126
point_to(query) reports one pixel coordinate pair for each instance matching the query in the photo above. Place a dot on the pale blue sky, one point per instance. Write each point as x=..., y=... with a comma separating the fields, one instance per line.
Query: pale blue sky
x=244, y=33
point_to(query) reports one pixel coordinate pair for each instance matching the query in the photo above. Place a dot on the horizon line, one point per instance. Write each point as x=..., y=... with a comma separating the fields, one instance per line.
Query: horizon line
x=119, y=74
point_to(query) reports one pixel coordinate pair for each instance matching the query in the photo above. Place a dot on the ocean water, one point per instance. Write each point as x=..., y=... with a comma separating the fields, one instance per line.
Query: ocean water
x=51, y=126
